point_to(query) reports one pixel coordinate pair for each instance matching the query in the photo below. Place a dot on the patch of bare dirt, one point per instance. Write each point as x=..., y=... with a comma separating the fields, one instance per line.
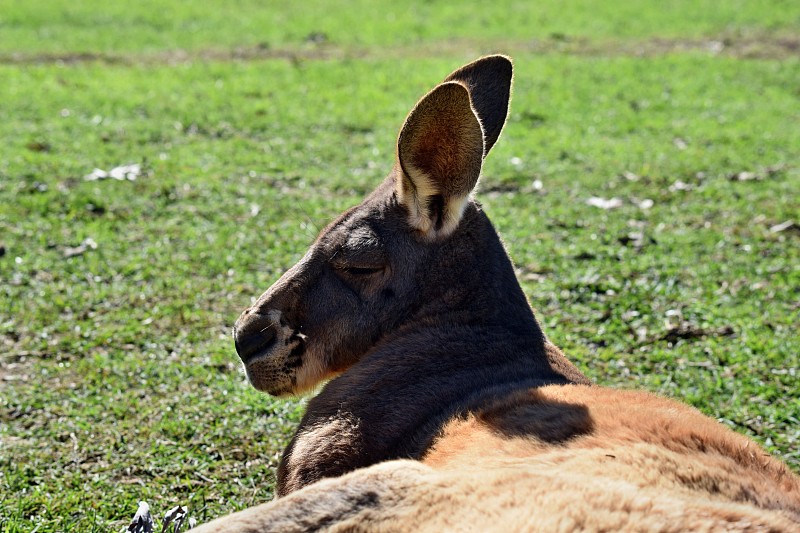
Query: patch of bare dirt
x=751, y=47
x=170, y=57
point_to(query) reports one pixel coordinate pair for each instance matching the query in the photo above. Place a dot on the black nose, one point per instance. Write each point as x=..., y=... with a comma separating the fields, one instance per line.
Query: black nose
x=253, y=334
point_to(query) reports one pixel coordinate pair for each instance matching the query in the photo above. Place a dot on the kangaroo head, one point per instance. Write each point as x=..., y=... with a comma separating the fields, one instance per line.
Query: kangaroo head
x=411, y=254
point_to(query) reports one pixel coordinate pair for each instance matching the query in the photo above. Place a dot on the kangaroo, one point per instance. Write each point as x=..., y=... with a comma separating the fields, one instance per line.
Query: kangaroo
x=447, y=407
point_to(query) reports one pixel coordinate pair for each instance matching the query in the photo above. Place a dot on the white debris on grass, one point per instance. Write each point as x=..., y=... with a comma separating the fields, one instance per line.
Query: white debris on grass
x=86, y=245
x=120, y=173
x=175, y=516
x=174, y=520
x=604, y=203
x=142, y=521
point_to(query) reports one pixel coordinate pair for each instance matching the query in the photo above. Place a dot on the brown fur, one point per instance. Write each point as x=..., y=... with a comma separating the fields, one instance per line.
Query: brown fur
x=450, y=409
x=644, y=439
x=556, y=458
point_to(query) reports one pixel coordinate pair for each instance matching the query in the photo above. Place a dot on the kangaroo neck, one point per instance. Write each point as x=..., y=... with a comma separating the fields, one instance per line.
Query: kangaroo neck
x=472, y=281
x=394, y=402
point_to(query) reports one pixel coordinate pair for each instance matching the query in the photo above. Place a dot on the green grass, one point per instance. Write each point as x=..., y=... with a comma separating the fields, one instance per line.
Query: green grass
x=65, y=26
x=119, y=380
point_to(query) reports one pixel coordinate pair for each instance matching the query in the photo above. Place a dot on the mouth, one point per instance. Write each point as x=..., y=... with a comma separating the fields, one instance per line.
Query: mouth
x=271, y=350
x=265, y=376
x=280, y=393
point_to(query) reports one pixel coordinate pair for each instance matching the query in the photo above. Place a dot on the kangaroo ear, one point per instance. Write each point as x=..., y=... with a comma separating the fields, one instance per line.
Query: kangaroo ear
x=439, y=154
x=488, y=80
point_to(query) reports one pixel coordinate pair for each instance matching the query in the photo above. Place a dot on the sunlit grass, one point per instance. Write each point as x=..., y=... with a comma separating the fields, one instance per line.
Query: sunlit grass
x=119, y=380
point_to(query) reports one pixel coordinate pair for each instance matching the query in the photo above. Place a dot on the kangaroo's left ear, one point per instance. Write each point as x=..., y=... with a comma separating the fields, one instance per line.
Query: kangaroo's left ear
x=443, y=141
x=488, y=81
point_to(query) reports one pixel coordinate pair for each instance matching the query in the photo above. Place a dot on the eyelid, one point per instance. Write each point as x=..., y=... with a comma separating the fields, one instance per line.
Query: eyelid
x=362, y=271
x=344, y=260
x=358, y=264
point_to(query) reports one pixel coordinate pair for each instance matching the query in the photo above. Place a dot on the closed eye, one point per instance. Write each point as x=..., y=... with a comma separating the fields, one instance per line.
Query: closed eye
x=362, y=271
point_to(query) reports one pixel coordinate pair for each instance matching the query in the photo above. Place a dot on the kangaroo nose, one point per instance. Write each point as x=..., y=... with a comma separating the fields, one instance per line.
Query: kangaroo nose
x=253, y=335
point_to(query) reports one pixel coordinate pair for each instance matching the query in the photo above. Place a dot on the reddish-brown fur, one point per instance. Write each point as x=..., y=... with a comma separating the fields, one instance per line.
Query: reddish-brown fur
x=450, y=410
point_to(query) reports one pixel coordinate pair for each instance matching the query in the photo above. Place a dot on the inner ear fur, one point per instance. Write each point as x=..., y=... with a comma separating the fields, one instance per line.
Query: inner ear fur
x=440, y=152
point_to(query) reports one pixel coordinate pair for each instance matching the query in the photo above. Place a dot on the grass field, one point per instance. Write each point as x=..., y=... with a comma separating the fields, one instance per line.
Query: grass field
x=254, y=124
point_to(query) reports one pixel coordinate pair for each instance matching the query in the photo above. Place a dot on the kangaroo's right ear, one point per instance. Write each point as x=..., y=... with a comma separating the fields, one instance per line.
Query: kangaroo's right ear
x=439, y=158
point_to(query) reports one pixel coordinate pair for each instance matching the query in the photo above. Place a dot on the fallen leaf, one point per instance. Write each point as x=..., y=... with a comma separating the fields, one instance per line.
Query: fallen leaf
x=701, y=364
x=38, y=146
x=687, y=330
x=38, y=186
x=766, y=172
x=533, y=276
x=635, y=239
x=120, y=173
x=744, y=176
x=680, y=186
x=142, y=521
x=629, y=315
x=784, y=226
x=82, y=248
x=603, y=203
x=177, y=515
x=630, y=176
